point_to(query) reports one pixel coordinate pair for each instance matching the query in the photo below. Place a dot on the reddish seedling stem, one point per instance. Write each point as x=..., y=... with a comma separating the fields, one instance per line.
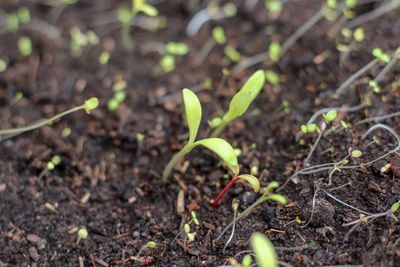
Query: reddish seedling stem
x=219, y=197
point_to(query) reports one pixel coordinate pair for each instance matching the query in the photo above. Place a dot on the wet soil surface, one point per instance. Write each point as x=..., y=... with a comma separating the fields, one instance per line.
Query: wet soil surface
x=109, y=181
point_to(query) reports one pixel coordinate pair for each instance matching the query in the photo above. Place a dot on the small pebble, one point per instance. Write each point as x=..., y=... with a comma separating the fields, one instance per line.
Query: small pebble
x=34, y=253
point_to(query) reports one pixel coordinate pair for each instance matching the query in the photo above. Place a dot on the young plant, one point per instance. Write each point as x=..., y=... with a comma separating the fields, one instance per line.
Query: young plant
x=55, y=160
x=221, y=147
x=171, y=50
x=149, y=245
x=242, y=100
x=265, y=196
x=80, y=40
x=3, y=65
x=21, y=15
x=82, y=234
x=88, y=106
x=119, y=95
x=235, y=206
x=186, y=229
x=25, y=45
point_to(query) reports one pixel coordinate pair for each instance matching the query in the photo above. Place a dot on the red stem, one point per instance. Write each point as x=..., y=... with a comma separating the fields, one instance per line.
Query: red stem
x=219, y=197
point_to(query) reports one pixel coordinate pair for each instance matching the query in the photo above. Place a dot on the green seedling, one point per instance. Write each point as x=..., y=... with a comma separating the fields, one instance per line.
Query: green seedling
x=265, y=196
x=242, y=100
x=188, y=235
x=88, y=106
x=235, y=205
x=272, y=77
x=274, y=51
x=232, y=53
x=25, y=45
x=171, y=50
x=82, y=234
x=375, y=86
x=55, y=160
x=79, y=40
x=274, y=5
x=119, y=95
x=218, y=34
x=18, y=96
x=22, y=15
x=3, y=65
x=221, y=147
x=66, y=132
x=125, y=15
x=264, y=250
x=149, y=245
x=104, y=58
x=378, y=53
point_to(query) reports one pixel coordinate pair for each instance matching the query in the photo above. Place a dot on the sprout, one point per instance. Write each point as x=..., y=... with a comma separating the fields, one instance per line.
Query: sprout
x=3, y=65
x=359, y=34
x=104, y=57
x=274, y=5
x=272, y=77
x=82, y=234
x=219, y=35
x=151, y=244
x=179, y=49
x=25, y=45
x=330, y=116
x=232, y=53
x=91, y=104
x=356, y=153
x=274, y=51
x=264, y=250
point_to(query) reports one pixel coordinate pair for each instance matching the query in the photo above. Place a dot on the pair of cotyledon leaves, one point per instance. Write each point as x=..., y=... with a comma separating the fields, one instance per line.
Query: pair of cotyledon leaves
x=239, y=104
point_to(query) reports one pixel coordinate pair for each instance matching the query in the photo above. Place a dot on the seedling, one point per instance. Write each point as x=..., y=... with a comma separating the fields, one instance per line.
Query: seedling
x=126, y=15
x=241, y=100
x=171, y=50
x=104, y=58
x=82, y=234
x=264, y=250
x=66, y=132
x=88, y=106
x=272, y=77
x=274, y=5
x=3, y=65
x=232, y=53
x=221, y=147
x=235, y=205
x=55, y=160
x=378, y=53
x=22, y=15
x=186, y=229
x=265, y=196
x=79, y=40
x=150, y=244
x=274, y=51
x=119, y=95
x=25, y=45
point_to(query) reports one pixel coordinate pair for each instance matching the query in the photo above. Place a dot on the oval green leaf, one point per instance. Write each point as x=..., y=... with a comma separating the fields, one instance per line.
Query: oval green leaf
x=223, y=149
x=264, y=250
x=241, y=101
x=193, y=113
x=278, y=198
x=255, y=183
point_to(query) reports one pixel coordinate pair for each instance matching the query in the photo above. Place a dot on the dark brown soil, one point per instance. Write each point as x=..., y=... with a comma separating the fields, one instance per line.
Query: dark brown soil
x=110, y=183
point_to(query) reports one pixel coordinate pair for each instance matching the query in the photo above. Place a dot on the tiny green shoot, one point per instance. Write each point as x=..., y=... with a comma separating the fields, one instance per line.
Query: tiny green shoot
x=104, y=57
x=274, y=51
x=272, y=77
x=25, y=45
x=3, y=65
x=219, y=35
x=82, y=234
x=232, y=53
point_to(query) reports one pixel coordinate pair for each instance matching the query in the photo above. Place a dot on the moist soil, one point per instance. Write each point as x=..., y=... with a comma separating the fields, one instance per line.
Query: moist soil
x=109, y=182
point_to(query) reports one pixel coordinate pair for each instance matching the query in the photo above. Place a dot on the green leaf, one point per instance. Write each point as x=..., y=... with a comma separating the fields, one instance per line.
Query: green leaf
x=91, y=104
x=232, y=53
x=272, y=77
x=193, y=113
x=149, y=10
x=241, y=100
x=274, y=51
x=255, y=183
x=330, y=116
x=174, y=48
x=151, y=244
x=25, y=45
x=395, y=206
x=223, y=149
x=246, y=261
x=219, y=35
x=278, y=198
x=356, y=153
x=270, y=186
x=264, y=250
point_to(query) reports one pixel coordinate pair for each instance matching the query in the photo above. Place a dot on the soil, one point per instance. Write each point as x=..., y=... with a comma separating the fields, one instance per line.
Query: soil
x=110, y=183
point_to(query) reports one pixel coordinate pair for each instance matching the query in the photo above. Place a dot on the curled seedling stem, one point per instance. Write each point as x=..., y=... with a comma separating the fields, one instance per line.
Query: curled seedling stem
x=235, y=205
x=89, y=105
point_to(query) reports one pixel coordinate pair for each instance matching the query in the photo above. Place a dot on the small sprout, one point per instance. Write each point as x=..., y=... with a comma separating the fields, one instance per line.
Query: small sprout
x=253, y=145
x=104, y=57
x=345, y=161
x=272, y=77
x=345, y=125
x=264, y=250
x=304, y=128
x=194, y=217
x=13, y=22
x=298, y=220
x=124, y=15
x=254, y=170
x=3, y=65
x=120, y=96
x=139, y=137
x=377, y=52
x=167, y=62
x=66, y=132
x=82, y=234
x=330, y=116
x=229, y=10
x=368, y=101
x=286, y=107
x=375, y=86
x=309, y=129
x=274, y=5
x=359, y=34
x=385, y=168
x=346, y=32
x=232, y=53
x=356, y=153
x=25, y=45
x=142, y=6
x=274, y=51
x=235, y=205
x=151, y=244
x=19, y=96
x=219, y=35
x=190, y=236
x=208, y=83
x=179, y=49
x=351, y=3
x=331, y=3
x=119, y=85
x=113, y=104
x=91, y=104
x=24, y=15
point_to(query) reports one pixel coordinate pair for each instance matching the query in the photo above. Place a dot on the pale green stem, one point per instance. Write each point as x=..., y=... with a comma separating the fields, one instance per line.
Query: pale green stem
x=167, y=171
x=219, y=129
x=40, y=123
x=243, y=214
